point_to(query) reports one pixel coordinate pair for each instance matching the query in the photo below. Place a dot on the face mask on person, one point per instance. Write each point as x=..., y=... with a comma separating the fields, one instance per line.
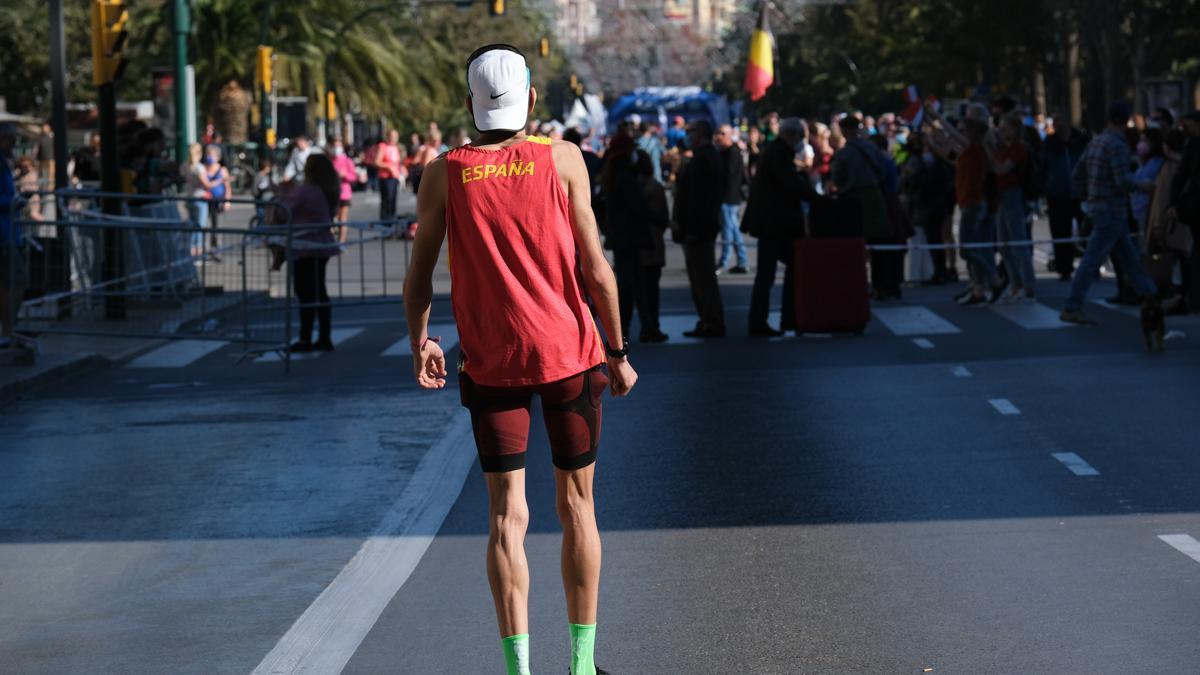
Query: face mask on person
x=1143, y=148
x=901, y=138
x=210, y=161
x=339, y=150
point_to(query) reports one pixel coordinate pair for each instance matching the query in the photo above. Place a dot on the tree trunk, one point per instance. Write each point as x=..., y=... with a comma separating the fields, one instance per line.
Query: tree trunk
x=231, y=112
x=1076, y=86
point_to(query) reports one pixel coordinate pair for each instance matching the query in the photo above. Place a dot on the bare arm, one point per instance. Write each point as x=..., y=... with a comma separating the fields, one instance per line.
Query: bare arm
x=597, y=274
x=429, y=363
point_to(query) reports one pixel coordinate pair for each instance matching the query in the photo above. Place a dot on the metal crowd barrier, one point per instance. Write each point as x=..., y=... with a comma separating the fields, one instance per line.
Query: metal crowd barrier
x=144, y=268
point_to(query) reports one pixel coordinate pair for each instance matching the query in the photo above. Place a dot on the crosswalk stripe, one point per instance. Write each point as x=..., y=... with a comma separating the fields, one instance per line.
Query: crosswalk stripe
x=1184, y=543
x=1031, y=316
x=337, y=336
x=913, y=320
x=1004, y=406
x=675, y=324
x=1129, y=310
x=448, y=332
x=177, y=354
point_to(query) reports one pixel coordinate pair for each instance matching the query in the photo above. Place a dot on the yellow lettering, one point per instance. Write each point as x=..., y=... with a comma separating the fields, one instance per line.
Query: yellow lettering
x=489, y=170
x=466, y=175
x=477, y=173
x=529, y=168
x=501, y=170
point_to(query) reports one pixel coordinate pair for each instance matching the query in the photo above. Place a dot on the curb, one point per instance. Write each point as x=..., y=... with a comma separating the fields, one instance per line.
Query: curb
x=80, y=364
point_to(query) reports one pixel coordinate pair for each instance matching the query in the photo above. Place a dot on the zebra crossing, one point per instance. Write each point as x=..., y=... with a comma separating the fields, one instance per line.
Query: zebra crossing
x=915, y=321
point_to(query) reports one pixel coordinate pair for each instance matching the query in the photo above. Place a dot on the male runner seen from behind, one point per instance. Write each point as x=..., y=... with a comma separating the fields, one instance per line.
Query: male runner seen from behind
x=517, y=210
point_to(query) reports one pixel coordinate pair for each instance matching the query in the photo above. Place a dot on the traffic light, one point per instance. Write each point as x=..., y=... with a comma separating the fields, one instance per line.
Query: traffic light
x=330, y=105
x=263, y=67
x=496, y=7
x=108, y=39
x=544, y=47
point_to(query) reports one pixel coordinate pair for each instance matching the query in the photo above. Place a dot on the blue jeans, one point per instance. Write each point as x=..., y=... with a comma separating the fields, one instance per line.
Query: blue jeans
x=198, y=212
x=731, y=236
x=976, y=228
x=1110, y=234
x=1011, y=226
x=388, y=187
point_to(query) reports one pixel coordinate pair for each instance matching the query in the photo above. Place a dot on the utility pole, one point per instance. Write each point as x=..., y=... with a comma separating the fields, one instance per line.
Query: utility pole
x=108, y=39
x=266, y=136
x=182, y=26
x=58, y=94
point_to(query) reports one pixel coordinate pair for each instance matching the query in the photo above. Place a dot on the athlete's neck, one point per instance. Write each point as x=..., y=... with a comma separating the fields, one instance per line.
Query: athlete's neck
x=501, y=138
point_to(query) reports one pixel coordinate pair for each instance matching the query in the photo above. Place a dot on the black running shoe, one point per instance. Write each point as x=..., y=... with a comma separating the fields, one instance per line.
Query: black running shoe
x=598, y=671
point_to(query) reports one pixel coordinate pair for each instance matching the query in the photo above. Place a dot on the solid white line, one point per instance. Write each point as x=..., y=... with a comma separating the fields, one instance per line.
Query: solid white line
x=448, y=332
x=1004, y=406
x=1031, y=316
x=336, y=335
x=1075, y=463
x=913, y=320
x=177, y=354
x=328, y=633
x=960, y=371
x=1183, y=543
x=923, y=343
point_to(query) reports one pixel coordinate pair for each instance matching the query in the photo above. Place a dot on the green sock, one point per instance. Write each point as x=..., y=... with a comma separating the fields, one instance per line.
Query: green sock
x=516, y=653
x=583, y=646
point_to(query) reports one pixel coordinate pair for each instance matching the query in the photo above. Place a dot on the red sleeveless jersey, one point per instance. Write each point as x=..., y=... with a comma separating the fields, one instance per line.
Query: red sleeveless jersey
x=520, y=311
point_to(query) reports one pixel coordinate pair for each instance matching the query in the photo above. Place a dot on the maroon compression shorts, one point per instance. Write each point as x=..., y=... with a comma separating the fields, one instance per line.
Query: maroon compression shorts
x=500, y=419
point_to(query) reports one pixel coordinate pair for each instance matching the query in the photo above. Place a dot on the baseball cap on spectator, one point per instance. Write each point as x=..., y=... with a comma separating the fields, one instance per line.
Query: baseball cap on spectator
x=498, y=78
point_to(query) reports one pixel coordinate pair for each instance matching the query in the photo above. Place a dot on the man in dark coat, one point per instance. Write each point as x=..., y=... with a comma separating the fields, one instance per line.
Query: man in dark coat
x=1185, y=202
x=697, y=221
x=775, y=216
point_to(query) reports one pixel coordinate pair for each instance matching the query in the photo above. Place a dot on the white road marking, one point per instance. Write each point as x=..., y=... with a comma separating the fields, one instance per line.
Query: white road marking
x=1031, y=316
x=177, y=354
x=1004, y=406
x=336, y=335
x=328, y=633
x=923, y=343
x=447, y=331
x=675, y=324
x=1075, y=463
x=1183, y=543
x=913, y=320
x=960, y=371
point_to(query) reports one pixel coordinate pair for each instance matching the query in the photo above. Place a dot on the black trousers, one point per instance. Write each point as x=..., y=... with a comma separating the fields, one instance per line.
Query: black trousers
x=388, y=187
x=934, y=237
x=1062, y=212
x=651, y=276
x=1191, y=278
x=773, y=252
x=628, y=268
x=887, y=270
x=706, y=294
x=308, y=280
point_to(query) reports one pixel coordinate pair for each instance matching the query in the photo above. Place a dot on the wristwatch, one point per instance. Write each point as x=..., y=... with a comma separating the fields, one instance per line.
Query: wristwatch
x=617, y=353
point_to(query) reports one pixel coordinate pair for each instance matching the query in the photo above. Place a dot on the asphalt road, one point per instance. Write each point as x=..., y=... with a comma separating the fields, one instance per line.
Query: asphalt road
x=886, y=503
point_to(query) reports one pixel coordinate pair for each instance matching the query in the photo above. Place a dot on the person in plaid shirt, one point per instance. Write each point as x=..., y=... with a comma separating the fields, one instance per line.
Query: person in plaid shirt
x=1103, y=180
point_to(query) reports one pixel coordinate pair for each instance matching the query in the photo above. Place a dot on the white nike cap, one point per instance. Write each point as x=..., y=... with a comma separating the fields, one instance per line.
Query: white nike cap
x=498, y=78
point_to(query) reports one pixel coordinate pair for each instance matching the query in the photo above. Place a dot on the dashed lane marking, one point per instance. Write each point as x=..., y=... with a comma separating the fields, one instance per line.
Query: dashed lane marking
x=1183, y=543
x=448, y=332
x=1075, y=463
x=1004, y=406
x=923, y=343
x=960, y=371
x=178, y=354
x=913, y=320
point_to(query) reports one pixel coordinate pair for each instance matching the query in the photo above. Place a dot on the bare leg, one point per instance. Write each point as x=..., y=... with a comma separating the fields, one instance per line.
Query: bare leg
x=507, y=569
x=342, y=216
x=581, y=543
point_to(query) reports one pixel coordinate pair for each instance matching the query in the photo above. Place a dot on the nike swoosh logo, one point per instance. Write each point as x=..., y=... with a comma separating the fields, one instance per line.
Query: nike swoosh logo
x=496, y=96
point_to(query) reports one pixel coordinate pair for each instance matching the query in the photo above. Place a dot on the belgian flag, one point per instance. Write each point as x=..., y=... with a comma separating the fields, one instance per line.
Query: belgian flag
x=760, y=68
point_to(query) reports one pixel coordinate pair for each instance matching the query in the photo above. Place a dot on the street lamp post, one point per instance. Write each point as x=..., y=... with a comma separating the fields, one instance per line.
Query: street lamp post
x=181, y=24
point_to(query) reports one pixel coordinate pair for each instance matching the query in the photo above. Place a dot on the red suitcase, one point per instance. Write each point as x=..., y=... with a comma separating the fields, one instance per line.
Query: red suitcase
x=831, y=285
